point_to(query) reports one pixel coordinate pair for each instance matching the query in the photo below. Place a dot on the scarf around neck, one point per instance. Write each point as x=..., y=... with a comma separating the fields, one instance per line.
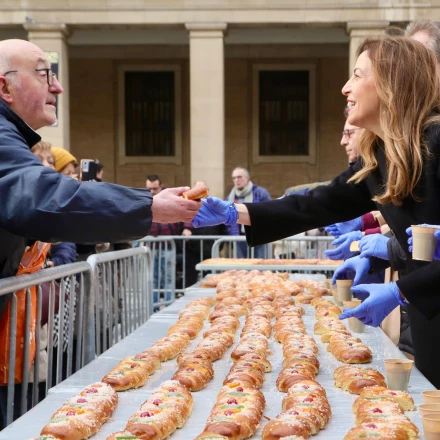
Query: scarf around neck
x=245, y=193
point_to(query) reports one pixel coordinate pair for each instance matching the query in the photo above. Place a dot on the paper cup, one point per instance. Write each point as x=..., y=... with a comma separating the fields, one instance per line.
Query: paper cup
x=432, y=396
x=398, y=372
x=344, y=292
x=352, y=303
x=429, y=408
x=335, y=295
x=431, y=426
x=356, y=326
x=424, y=242
x=328, y=283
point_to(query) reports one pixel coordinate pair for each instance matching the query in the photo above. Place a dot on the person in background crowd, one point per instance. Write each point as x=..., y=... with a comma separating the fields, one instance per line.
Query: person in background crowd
x=244, y=191
x=163, y=267
x=44, y=152
x=65, y=162
x=394, y=94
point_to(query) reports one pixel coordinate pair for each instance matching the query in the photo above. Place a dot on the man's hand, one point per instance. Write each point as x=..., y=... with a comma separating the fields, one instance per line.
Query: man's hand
x=374, y=245
x=342, y=252
x=436, y=235
x=215, y=211
x=339, y=229
x=168, y=207
x=187, y=233
x=381, y=300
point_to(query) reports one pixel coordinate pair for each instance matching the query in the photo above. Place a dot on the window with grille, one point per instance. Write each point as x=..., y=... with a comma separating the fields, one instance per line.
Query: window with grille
x=149, y=114
x=284, y=113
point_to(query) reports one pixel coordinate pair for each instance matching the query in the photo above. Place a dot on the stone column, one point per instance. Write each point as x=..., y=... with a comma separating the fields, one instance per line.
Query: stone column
x=358, y=30
x=207, y=104
x=52, y=38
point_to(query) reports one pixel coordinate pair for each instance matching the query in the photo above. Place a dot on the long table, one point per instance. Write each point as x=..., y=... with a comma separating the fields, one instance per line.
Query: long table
x=129, y=401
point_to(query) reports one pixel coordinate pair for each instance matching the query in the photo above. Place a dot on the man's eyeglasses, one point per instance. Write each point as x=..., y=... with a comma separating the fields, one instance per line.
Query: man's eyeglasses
x=349, y=133
x=49, y=74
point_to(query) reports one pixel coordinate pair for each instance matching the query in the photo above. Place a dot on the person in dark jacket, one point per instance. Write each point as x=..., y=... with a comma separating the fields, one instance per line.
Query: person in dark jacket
x=400, y=178
x=245, y=190
x=37, y=202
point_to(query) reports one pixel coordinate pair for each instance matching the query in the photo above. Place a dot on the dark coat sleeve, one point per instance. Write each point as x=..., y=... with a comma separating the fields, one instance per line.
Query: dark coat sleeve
x=39, y=203
x=321, y=206
x=421, y=289
x=396, y=254
x=63, y=253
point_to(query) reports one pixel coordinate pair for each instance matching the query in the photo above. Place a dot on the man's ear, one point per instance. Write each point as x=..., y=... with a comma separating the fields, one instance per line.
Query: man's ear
x=5, y=90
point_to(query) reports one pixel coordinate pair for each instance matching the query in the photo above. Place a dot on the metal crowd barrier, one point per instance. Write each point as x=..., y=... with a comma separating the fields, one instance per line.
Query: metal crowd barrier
x=60, y=363
x=89, y=307
x=291, y=247
x=123, y=294
x=178, y=256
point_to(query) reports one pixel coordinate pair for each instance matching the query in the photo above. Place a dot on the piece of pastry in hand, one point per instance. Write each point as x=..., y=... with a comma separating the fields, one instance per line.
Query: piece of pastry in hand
x=198, y=192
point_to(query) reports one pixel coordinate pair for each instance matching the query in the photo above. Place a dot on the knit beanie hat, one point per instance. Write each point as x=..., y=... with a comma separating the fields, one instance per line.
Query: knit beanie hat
x=62, y=158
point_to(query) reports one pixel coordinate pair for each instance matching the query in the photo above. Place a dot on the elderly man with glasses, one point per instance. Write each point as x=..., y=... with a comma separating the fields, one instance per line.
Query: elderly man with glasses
x=39, y=203
x=248, y=192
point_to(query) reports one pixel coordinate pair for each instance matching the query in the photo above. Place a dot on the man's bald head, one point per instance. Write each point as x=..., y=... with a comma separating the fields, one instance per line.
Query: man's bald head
x=24, y=81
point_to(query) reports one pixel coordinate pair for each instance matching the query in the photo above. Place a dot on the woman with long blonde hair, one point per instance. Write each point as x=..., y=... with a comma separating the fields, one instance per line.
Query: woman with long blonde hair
x=394, y=95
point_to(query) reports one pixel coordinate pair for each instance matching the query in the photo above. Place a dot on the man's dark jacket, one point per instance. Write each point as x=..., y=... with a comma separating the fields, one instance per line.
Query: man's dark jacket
x=38, y=203
x=341, y=201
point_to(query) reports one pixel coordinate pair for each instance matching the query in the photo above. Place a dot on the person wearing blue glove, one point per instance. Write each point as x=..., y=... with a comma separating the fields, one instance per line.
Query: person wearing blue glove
x=380, y=301
x=398, y=175
x=339, y=229
x=436, y=235
x=342, y=252
x=374, y=245
x=215, y=211
x=360, y=266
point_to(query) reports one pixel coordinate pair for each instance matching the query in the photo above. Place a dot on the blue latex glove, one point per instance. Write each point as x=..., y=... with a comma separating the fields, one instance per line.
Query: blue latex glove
x=342, y=252
x=339, y=229
x=382, y=299
x=436, y=235
x=215, y=211
x=360, y=266
x=374, y=245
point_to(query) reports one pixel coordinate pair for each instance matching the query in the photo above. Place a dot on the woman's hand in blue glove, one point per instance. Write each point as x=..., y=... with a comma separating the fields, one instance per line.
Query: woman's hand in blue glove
x=342, y=252
x=382, y=299
x=360, y=266
x=215, y=211
x=339, y=229
x=374, y=245
x=436, y=235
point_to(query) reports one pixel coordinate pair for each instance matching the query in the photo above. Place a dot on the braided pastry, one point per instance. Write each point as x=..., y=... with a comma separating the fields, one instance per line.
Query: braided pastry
x=131, y=372
x=169, y=347
x=355, y=379
x=162, y=413
x=82, y=415
x=378, y=394
x=122, y=435
x=378, y=431
x=194, y=374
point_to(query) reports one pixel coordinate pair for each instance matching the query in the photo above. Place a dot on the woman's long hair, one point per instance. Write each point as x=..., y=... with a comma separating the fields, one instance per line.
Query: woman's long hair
x=407, y=84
